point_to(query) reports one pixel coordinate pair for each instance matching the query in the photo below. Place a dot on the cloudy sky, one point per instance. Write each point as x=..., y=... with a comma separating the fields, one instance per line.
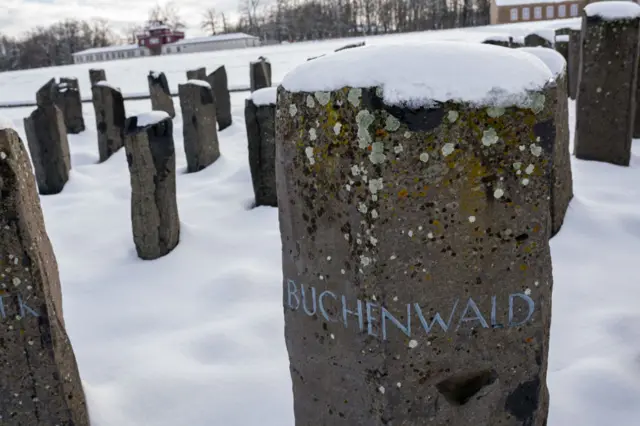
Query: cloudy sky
x=17, y=16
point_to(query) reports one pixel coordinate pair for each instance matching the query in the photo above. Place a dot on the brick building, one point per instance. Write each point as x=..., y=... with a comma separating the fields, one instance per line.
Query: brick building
x=509, y=11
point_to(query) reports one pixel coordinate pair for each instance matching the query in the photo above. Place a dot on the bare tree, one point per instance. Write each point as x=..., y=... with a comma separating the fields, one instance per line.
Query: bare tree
x=210, y=21
x=223, y=21
x=168, y=15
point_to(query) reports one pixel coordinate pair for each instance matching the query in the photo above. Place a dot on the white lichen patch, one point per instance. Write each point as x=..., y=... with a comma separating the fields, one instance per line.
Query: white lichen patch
x=399, y=385
x=528, y=292
x=413, y=344
x=536, y=150
x=472, y=219
x=489, y=137
x=337, y=128
x=452, y=116
x=424, y=157
x=430, y=235
x=310, y=102
x=448, y=148
x=537, y=102
x=3, y=155
x=495, y=112
x=410, y=233
x=379, y=92
x=525, y=182
x=373, y=241
x=530, y=168
x=342, y=271
x=355, y=170
x=323, y=97
x=393, y=257
x=362, y=208
x=498, y=193
x=377, y=153
x=293, y=110
x=354, y=96
x=517, y=165
x=374, y=213
x=332, y=336
x=16, y=281
x=312, y=134
x=522, y=147
x=407, y=135
x=364, y=119
x=392, y=124
x=347, y=187
x=365, y=261
x=375, y=185
x=381, y=389
x=309, y=151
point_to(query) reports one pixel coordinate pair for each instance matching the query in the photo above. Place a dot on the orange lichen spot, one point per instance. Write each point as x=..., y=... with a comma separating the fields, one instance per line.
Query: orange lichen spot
x=529, y=339
x=403, y=193
x=427, y=277
x=536, y=228
x=523, y=267
x=369, y=148
x=426, y=188
x=436, y=222
x=381, y=132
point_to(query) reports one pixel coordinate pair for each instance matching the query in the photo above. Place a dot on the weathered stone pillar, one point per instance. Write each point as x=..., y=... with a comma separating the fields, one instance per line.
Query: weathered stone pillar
x=198, y=124
x=39, y=379
x=498, y=40
x=96, y=75
x=110, y=118
x=197, y=74
x=152, y=165
x=160, y=93
x=49, y=147
x=573, y=64
x=350, y=46
x=260, y=118
x=517, y=41
x=563, y=31
x=218, y=82
x=561, y=176
x=562, y=46
x=70, y=102
x=260, y=74
x=416, y=263
x=606, y=98
x=534, y=39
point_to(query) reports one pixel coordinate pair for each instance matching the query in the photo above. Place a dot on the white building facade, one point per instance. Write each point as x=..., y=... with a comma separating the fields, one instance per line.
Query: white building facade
x=193, y=45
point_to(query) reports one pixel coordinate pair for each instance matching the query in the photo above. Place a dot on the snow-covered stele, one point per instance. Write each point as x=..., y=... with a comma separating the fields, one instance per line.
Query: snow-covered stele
x=199, y=83
x=266, y=96
x=613, y=10
x=551, y=57
x=421, y=75
x=150, y=118
x=107, y=84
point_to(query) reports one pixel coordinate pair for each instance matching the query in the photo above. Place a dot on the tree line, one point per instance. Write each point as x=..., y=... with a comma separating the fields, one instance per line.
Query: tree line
x=278, y=21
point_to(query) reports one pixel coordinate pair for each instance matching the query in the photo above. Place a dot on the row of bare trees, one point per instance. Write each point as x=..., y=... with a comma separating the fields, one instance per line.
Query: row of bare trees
x=277, y=21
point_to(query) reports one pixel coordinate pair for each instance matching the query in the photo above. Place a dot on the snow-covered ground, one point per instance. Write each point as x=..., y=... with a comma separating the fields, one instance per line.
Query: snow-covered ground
x=196, y=338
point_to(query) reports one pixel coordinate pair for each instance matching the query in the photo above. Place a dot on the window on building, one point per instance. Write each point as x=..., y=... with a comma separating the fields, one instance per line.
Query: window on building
x=178, y=49
x=574, y=10
x=562, y=11
x=168, y=50
x=550, y=11
x=526, y=13
x=514, y=14
x=537, y=12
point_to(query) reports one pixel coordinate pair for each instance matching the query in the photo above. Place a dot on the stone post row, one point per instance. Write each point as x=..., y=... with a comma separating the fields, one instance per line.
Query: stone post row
x=160, y=93
x=108, y=104
x=66, y=95
x=96, y=75
x=218, y=82
x=260, y=74
x=39, y=379
x=416, y=263
x=197, y=74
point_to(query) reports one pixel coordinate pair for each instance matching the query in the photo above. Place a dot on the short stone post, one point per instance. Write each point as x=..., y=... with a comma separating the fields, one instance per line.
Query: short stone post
x=197, y=74
x=152, y=165
x=96, y=75
x=260, y=74
x=416, y=263
x=606, y=99
x=561, y=176
x=350, y=46
x=498, y=40
x=260, y=119
x=49, y=147
x=516, y=42
x=39, y=379
x=198, y=124
x=535, y=39
x=573, y=63
x=70, y=102
x=160, y=93
x=218, y=82
x=110, y=118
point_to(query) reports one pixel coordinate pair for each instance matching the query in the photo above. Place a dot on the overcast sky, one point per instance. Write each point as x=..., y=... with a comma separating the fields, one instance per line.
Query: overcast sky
x=18, y=16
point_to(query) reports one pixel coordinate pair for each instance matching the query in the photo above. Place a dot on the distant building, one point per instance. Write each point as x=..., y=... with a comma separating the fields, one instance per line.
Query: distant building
x=159, y=39
x=510, y=11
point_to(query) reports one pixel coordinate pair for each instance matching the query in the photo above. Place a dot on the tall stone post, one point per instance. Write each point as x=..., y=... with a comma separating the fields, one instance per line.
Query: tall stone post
x=49, y=147
x=416, y=263
x=152, y=165
x=197, y=74
x=534, y=40
x=39, y=379
x=498, y=40
x=218, y=82
x=70, y=102
x=96, y=75
x=110, y=118
x=260, y=119
x=351, y=46
x=198, y=124
x=573, y=64
x=606, y=99
x=160, y=93
x=260, y=74
x=562, y=46
x=561, y=176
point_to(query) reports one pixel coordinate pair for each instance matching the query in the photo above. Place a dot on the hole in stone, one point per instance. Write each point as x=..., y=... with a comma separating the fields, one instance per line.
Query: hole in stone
x=459, y=389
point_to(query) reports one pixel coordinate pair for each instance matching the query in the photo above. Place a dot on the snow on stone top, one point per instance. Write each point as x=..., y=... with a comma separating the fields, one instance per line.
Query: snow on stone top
x=266, y=96
x=498, y=37
x=199, y=83
x=150, y=118
x=562, y=38
x=419, y=75
x=612, y=10
x=106, y=84
x=551, y=58
x=5, y=123
x=546, y=33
